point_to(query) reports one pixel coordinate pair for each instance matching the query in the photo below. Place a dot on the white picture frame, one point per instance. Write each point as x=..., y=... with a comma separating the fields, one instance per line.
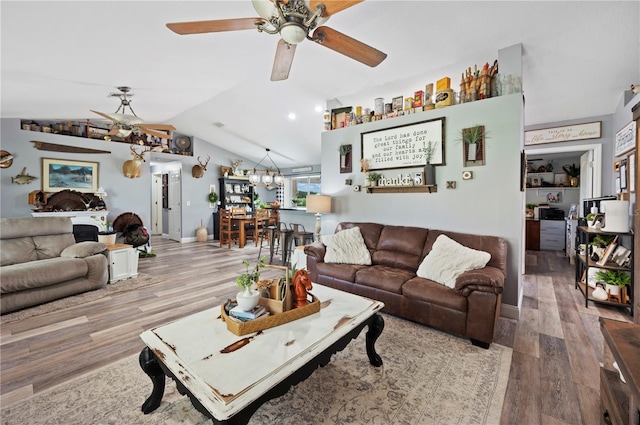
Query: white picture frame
x=625, y=139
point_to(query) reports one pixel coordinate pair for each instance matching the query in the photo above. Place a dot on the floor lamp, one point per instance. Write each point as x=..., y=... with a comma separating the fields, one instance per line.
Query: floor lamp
x=318, y=204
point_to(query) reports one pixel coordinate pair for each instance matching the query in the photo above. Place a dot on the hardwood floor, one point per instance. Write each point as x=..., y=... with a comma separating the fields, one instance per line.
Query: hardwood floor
x=557, y=344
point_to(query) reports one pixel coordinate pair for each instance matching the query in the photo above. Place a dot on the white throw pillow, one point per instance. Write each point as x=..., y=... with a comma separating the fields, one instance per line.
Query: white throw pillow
x=448, y=259
x=347, y=247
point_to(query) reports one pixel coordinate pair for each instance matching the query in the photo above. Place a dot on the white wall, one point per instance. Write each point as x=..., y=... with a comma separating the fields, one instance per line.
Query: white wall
x=489, y=204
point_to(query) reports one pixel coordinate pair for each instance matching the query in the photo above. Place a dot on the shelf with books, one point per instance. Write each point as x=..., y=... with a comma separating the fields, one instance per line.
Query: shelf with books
x=616, y=256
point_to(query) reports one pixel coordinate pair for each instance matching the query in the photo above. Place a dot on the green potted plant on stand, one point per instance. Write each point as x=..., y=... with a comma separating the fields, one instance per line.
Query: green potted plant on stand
x=247, y=298
x=614, y=280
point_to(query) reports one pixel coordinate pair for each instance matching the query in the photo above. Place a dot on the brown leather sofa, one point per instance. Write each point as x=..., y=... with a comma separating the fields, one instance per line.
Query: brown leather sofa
x=470, y=309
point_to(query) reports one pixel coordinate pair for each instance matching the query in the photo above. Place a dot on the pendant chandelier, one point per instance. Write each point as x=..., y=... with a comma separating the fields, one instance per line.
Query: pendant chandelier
x=266, y=177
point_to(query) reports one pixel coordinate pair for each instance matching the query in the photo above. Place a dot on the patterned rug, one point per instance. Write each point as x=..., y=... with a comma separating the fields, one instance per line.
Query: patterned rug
x=428, y=377
x=74, y=300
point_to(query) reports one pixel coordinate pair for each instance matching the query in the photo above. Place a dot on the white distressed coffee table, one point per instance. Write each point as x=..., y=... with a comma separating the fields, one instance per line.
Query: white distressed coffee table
x=228, y=377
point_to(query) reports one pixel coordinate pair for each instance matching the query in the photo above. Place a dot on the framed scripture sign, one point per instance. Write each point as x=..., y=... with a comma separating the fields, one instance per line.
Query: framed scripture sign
x=567, y=133
x=62, y=174
x=625, y=139
x=404, y=146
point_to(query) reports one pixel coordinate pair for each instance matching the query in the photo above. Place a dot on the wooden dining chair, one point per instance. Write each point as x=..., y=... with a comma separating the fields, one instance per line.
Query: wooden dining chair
x=227, y=233
x=259, y=225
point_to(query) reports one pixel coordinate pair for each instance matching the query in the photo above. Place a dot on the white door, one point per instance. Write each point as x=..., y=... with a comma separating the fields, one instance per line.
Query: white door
x=175, y=206
x=156, y=205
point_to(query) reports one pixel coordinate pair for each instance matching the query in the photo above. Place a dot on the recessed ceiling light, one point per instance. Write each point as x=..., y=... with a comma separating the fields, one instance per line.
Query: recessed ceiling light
x=292, y=116
x=319, y=108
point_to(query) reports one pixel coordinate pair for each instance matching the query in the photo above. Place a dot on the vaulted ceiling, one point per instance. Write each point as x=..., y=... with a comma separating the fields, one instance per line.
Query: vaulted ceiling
x=61, y=59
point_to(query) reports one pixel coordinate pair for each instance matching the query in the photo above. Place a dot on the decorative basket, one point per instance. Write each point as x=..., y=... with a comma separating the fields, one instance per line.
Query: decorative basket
x=273, y=320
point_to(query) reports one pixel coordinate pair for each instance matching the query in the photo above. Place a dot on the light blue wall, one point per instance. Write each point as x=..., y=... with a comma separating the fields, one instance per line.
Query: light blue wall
x=124, y=194
x=489, y=204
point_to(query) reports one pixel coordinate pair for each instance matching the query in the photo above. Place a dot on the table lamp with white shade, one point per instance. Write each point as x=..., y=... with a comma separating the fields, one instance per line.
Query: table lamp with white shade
x=318, y=204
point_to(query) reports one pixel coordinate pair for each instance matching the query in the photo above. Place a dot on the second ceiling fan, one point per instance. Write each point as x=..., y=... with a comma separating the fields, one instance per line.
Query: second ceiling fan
x=294, y=20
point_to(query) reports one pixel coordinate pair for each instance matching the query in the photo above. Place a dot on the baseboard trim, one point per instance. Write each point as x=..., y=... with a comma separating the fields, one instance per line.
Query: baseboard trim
x=510, y=311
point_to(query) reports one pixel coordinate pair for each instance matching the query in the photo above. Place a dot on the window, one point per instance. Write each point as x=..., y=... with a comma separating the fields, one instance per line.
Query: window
x=297, y=188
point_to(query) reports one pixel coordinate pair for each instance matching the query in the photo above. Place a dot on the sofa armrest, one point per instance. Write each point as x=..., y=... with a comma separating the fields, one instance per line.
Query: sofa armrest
x=487, y=279
x=316, y=250
x=83, y=249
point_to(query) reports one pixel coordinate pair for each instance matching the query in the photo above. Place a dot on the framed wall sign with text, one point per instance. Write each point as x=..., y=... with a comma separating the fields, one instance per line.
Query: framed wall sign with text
x=404, y=146
x=625, y=139
x=567, y=133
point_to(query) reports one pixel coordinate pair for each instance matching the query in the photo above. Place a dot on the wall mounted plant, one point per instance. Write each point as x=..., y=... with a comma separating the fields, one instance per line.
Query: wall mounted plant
x=345, y=158
x=473, y=146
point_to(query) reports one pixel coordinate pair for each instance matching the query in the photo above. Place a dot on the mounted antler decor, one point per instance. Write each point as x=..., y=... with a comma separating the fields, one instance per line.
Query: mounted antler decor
x=131, y=167
x=198, y=170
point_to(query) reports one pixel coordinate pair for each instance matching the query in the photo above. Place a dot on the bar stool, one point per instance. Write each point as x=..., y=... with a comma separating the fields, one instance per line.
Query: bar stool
x=283, y=235
x=300, y=234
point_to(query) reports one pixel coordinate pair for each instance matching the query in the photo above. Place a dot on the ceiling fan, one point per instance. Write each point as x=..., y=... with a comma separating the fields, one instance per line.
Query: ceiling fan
x=124, y=124
x=294, y=20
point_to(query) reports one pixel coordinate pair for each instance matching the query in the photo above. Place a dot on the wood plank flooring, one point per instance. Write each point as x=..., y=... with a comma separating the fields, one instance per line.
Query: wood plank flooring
x=557, y=344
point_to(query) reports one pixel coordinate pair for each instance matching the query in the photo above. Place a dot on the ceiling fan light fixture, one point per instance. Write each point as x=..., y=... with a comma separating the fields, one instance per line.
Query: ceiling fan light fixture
x=265, y=8
x=292, y=32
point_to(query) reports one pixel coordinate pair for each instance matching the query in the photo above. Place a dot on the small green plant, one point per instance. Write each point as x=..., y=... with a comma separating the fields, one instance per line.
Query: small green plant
x=428, y=152
x=602, y=240
x=246, y=280
x=345, y=149
x=571, y=170
x=373, y=177
x=107, y=228
x=531, y=206
x=472, y=135
x=613, y=277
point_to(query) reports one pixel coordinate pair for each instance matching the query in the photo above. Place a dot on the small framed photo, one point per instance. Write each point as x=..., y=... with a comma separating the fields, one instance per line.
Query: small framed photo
x=396, y=103
x=559, y=179
x=536, y=181
x=418, y=178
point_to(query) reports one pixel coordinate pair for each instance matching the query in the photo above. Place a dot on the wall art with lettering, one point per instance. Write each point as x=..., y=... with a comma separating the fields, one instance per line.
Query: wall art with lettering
x=567, y=133
x=404, y=146
x=625, y=139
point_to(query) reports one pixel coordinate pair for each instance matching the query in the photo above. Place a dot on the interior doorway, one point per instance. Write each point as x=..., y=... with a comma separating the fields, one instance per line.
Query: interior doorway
x=156, y=205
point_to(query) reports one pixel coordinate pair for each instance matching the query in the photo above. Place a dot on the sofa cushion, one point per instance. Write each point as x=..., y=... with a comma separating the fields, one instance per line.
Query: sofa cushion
x=347, y=247
x=448, y=259
x=346, y=272
x=400, y=246
x=17, y=250
x=385, y=278
x=36, y=274
x=432, y=292
x=83, y=249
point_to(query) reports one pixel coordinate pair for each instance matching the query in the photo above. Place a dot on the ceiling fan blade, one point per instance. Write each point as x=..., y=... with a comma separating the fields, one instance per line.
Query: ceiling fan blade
x=332, y=7
x=200, y=27
x=102, y=114
x=168, y=127
x=155, y=133
x=282, y=61
x=348, y=46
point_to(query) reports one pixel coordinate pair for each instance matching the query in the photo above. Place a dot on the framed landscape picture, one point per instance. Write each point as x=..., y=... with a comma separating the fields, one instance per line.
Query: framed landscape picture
x=63, y=174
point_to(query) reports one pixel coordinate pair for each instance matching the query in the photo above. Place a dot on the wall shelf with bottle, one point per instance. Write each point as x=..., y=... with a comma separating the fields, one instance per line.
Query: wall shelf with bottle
x=611, y=258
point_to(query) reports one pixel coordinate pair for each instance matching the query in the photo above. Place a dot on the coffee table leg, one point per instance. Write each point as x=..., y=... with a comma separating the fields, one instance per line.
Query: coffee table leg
x=376, y=325
x=151, y=367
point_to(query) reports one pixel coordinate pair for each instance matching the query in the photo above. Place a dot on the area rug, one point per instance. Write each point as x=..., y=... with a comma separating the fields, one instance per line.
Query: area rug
x=428, y=377
x=74, y=300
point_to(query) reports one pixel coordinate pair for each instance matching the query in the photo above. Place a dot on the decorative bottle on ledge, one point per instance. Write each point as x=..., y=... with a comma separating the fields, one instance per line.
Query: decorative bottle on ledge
x=429, y=175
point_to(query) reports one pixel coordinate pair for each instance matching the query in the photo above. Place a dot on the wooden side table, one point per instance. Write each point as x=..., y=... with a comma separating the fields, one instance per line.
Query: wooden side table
x=123, y=262
x=619, y=401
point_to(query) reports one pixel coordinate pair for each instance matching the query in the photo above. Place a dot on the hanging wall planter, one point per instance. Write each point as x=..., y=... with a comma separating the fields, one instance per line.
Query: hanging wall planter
x=473, y=146
x=345, y=159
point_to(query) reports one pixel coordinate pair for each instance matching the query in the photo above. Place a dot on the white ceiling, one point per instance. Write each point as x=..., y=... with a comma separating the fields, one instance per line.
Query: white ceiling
x=60, y=59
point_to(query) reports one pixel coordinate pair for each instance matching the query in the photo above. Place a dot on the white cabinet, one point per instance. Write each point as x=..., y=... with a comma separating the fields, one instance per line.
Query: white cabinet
x=552, y=234
x=123, y=262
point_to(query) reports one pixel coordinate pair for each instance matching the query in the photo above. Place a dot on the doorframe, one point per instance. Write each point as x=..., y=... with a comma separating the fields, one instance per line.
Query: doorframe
x=596, y=162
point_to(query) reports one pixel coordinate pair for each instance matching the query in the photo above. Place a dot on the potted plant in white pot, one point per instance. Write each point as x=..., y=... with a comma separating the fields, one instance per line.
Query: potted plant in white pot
x=107, y=235
x=472, y=137
x=613, y=280
x=373, y=177
x=247, y=298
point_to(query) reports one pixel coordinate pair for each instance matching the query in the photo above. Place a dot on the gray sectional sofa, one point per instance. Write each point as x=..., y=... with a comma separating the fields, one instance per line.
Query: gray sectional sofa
x=41, y=262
